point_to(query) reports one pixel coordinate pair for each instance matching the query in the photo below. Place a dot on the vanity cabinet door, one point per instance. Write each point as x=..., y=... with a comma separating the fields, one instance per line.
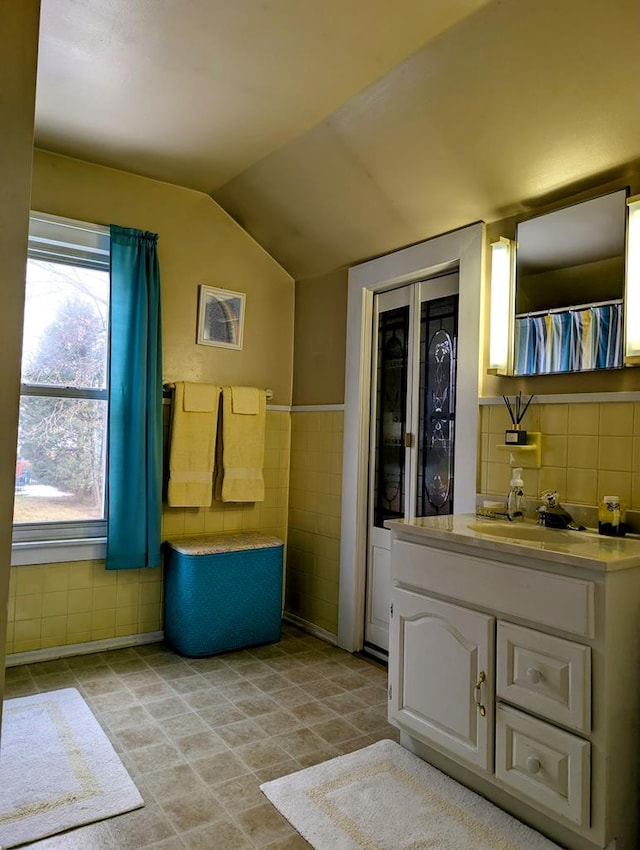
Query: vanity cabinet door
x=442, y=675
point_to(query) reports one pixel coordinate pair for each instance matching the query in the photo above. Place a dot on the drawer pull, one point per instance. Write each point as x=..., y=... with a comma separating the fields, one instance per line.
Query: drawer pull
x=532, y=764
x=533, y=675
x=477, y=693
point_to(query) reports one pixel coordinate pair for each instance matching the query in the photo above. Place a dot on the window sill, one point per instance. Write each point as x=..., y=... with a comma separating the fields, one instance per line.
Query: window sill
x=57, y=551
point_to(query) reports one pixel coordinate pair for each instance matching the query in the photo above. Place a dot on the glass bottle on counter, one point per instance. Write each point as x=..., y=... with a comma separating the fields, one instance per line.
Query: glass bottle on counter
x=611, y=517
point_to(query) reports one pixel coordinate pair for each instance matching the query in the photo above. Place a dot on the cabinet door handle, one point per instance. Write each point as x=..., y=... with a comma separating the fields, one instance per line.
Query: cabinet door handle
x=477, y=693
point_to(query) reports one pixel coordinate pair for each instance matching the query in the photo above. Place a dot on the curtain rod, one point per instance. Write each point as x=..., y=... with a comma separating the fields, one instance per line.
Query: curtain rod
x=568, y=309
x=171, y=386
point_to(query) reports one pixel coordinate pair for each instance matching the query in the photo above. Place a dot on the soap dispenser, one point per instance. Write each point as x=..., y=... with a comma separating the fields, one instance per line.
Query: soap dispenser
x=515, y=499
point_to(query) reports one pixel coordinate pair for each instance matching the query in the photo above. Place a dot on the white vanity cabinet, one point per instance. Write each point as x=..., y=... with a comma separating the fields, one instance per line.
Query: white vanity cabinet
x=515, y=668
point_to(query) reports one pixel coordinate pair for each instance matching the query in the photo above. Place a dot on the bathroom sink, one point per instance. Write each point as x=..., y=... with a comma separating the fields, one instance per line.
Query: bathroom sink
x=522, y=531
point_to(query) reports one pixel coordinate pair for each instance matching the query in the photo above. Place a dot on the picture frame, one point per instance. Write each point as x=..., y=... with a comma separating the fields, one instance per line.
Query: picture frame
x=220, y=317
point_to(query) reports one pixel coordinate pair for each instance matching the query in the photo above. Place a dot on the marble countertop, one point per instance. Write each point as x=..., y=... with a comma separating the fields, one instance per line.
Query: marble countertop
x=577, y=548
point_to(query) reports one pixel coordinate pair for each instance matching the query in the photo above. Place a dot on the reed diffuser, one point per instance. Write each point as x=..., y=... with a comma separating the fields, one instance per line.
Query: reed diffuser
x=516, y=436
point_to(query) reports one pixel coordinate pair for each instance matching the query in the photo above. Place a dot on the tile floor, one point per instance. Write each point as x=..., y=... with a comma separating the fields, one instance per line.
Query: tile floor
x=198, y=736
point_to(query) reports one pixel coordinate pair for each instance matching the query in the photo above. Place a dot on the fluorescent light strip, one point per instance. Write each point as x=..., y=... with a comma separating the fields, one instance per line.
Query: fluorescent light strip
x=632, y=285
x=501, y=316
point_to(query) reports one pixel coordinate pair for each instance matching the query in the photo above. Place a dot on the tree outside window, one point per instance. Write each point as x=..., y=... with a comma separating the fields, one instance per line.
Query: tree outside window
x=60, y=470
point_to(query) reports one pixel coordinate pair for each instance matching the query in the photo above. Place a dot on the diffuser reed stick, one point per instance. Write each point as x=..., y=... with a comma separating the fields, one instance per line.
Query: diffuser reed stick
x=516, y=411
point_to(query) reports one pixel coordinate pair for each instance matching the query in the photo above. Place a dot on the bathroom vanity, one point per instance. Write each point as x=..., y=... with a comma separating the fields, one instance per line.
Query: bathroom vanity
x=514, y=667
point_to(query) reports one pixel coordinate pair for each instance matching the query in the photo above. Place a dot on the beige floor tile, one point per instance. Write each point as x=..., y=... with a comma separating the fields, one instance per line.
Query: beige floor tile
x=192, y=746
x=221, y=835
x=264, y=825
x=141, y=828
x=261, y=755
x=240, y=733
x=170, y=782
x=221, y=714
x=240, y=793
x=183, y=725
x=312, y=712
x=199, y=736
x=336, y=731
x=193, y=808
x=219, y=768
x=276, y=722
x=254, y=706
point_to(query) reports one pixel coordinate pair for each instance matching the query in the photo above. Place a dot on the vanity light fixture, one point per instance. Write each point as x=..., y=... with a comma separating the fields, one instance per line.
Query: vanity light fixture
x=632, y=285
x=501, y=307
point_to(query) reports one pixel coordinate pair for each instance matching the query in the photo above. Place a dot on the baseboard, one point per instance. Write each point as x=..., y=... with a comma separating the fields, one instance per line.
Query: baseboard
x=54, y=652
x=314, y=630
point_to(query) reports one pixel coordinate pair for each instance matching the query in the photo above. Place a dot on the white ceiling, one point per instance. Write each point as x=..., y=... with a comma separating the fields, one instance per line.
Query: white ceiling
x=193, y=92
x=338, y=130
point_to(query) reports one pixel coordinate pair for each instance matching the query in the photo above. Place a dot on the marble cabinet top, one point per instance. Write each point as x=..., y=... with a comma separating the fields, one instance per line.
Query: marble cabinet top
x=586, y=549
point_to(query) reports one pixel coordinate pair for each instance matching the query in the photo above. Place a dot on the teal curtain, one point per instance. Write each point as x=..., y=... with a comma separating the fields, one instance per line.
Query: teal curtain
x=135, y=403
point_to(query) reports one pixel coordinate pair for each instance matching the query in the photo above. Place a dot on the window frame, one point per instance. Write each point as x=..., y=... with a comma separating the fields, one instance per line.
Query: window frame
x=56, y=239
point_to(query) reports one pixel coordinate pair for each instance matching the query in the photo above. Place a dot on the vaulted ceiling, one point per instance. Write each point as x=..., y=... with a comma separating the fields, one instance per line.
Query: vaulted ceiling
x=340, y=130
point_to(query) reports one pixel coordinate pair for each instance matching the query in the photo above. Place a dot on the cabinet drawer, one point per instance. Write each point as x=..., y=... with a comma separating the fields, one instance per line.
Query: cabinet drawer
x=559, y=602
x=543, y=765
x=545, y=674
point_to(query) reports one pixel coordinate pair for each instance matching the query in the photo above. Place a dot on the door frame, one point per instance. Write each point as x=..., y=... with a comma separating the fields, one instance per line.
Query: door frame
x=463, y=250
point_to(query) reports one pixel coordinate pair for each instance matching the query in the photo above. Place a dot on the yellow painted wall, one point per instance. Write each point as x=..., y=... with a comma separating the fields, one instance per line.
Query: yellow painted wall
x=18, y=48
x=61, y=604
x=198, y=244
x=320, y=339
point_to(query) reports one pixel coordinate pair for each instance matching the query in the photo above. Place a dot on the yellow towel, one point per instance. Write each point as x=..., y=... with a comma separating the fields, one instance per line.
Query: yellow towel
x=200, y=398
x=246, y=399
x=192, y=449
x=240, y=453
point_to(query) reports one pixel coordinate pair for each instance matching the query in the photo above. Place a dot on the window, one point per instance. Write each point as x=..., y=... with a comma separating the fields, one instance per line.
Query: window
x=61, y=461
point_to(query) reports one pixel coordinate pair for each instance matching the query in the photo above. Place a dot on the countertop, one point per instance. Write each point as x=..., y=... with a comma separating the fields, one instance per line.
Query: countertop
x=586, y=549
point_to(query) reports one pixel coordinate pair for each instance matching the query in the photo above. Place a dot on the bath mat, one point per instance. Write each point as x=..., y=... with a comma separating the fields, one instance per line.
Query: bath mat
x=58, y=769
x=385, y=798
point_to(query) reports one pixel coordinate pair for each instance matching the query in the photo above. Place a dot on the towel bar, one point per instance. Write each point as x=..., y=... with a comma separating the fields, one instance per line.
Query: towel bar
x=171, y=386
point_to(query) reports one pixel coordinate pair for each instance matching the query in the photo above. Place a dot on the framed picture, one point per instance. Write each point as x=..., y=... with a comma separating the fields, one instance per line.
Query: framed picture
x=220, y=317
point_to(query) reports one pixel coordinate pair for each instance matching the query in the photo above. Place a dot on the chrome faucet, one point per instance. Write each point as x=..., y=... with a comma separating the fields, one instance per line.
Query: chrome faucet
x=551, y=514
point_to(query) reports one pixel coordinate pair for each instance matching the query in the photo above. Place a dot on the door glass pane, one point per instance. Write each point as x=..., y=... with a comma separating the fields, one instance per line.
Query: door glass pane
x=60, y=470
x=438, y=338
x=393, y=332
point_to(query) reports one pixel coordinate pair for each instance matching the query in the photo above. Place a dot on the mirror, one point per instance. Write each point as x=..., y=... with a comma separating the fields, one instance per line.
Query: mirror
x=569, y=288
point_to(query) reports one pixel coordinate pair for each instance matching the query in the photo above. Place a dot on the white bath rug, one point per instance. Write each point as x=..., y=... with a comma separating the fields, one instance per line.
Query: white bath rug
x=58, y=769
x=385, y=798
